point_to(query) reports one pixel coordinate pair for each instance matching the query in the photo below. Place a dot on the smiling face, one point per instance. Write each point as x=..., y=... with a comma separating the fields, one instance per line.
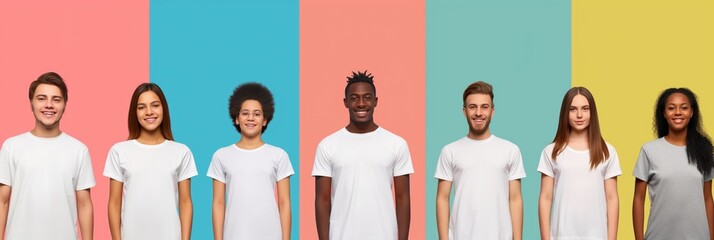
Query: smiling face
x=579, y=114
x=251, y=119
x=361, y=101
x=678, y=112
x=149, y=112
x=47, y=106
x=478, y=111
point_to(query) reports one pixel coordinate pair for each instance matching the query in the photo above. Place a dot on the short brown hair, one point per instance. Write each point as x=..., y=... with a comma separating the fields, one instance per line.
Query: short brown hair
x=479, y=87
x=50, y=78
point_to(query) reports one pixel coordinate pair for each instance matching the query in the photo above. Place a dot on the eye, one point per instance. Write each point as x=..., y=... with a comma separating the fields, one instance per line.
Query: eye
x=140, y=108
x=573, y=109
x=586, y=109
x=155, y=105
x=258, y=114
x=472, y=107
x=244, y=113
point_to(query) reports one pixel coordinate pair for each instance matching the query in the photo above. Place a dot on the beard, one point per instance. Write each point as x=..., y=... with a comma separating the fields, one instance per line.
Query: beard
x=477, y=132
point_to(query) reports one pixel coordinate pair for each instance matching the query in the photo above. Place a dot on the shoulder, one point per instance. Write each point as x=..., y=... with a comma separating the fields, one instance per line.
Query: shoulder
x=549, y=148
x=505, y=144
x=17, y=139
x=334, y=137
x=122, y=146
x=177, y=146
x=275, y=149
x=389, y=136
x=73, y=142
x=653, y=144
x=610, y=148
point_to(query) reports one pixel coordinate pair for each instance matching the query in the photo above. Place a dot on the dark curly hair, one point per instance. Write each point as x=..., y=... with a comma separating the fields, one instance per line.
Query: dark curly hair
x=699, y=145
x=361, y=77
x=251, y=91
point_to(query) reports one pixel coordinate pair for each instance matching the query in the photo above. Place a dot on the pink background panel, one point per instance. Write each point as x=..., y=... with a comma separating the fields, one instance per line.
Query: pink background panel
x=386, y=38
x=99, y=48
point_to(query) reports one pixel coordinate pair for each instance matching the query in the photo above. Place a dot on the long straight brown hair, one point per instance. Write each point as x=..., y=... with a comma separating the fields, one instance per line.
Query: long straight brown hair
x=597, y=146
x=134, y=126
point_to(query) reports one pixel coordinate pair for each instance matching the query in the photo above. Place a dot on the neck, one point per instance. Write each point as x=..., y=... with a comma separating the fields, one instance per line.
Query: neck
x=250, y=142
x=578, y=139
x=678, y=138
x=479, y=136
x=151, y=137
x=361, y=127
x=46, y=132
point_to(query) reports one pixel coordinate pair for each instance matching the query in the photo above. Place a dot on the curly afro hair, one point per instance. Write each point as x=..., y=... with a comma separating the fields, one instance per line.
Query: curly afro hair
x=251, y=91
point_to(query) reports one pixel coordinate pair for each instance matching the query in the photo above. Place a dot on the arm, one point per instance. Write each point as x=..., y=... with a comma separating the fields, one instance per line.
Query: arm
x=443, y=193
x=114, y=208
x=5, y=191
x=403, y=205
x=709, y=206
x=185, y=208
x=323, y=206
x=85, y=212
x=613, y=207
x=284, y=206
x=219, y=208
x=638, y=208
x=515, y=206
x=545, y=202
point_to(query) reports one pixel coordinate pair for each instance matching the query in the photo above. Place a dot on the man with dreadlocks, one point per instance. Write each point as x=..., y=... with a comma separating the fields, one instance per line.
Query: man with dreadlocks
x=354, y=170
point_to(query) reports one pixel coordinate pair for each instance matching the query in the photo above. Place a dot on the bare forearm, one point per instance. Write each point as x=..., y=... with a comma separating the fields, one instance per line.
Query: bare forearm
x=4, y=207
x=285, y=219
x=613, y=208
x=186, y=216
x=516, y=208
x=115, y=219
x=218, y=219
x=86, y=221
x=403, y=206
x=442, y=217
x=322, y=218
x=709, y=206
x=544, y=206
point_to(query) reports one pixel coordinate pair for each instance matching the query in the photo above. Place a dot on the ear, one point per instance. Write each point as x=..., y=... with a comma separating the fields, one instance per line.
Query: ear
x=376, y=100
x=236, y=121
x=344, y=101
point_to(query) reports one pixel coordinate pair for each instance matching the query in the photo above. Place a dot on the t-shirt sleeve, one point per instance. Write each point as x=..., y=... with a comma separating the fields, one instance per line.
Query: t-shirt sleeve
x=545, y=165
x=285, y=168
x=112, y=167
x=403, y=164
x=642, y=166
x=188, y=166
x=613, y=166
x=322, y=165
x=215, y=169
x=444, y=166
x=85, y=178
x=6, y=170
x=516, y=170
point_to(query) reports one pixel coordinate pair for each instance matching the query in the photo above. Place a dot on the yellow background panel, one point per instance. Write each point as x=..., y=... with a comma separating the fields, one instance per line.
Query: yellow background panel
x=626, y=54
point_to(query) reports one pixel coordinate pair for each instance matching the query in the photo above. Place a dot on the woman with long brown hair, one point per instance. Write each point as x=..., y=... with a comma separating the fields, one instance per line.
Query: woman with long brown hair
x=578, y=196
x=150, y=174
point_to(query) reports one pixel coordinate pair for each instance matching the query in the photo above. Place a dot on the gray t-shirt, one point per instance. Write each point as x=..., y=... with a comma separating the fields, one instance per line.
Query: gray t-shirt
x=676, y=192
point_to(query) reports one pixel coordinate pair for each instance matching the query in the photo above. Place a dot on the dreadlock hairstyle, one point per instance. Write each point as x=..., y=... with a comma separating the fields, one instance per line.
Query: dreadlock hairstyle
x=251, y=91
x=699, y=145
x=597, y=146
x=361, y=77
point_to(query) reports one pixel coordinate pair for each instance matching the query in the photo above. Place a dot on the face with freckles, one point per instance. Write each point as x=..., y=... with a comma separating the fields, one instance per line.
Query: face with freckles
x=149, y=112
x=678, y=112
x=251, y=119
x=47, y=106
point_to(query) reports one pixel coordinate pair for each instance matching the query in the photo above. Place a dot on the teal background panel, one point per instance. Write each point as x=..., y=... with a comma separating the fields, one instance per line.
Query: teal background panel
x=522, y=48
x=199, y=52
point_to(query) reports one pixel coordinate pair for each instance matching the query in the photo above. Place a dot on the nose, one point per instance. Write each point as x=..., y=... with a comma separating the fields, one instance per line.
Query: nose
x=361, y=102
x=579, y=114
x=251, y=117
x=48, y=104
x=149, y=111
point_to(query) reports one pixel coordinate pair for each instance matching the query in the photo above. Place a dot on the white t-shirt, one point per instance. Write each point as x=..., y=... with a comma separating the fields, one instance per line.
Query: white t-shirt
x=250, y=177
x=150, y=174
x=480, y=171
x=579, y=209
x=362, y=168
x=44, y=175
